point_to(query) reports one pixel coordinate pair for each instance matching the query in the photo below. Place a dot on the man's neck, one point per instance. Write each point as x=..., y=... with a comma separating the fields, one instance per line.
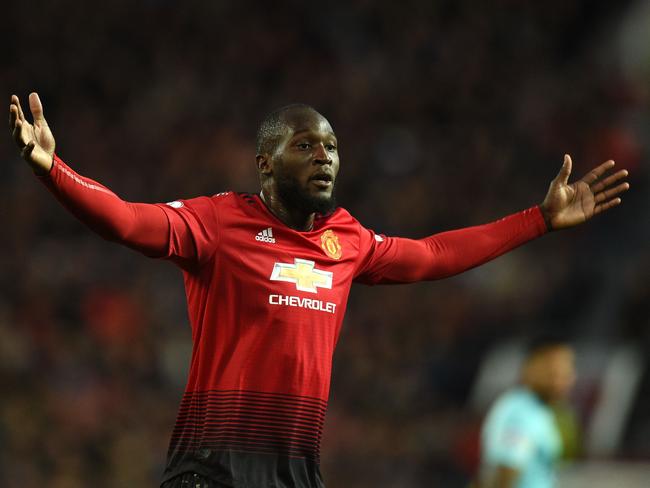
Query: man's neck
x=293, y=218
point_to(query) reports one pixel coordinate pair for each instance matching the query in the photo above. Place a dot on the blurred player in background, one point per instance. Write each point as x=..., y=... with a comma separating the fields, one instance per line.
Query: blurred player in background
x=521, y=442
x=267, y=278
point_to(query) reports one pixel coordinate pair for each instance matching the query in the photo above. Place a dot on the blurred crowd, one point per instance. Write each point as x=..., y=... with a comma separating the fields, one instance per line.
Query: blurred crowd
x=448, y=114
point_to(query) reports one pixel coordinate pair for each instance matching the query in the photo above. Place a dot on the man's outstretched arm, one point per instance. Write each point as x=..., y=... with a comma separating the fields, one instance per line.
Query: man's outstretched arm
x=143, y=227
x=398, y=260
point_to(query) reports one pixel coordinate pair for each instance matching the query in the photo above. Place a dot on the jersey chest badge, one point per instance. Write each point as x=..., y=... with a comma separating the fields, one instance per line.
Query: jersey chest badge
x=329, y=241
x=304, y=274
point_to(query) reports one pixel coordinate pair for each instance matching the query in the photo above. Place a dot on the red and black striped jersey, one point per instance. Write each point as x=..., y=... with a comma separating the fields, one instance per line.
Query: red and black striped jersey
x=266, y=304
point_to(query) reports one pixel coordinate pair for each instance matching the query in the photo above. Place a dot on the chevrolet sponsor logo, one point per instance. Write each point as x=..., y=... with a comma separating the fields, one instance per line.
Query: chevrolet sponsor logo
x=303, y=273
x=309, y=303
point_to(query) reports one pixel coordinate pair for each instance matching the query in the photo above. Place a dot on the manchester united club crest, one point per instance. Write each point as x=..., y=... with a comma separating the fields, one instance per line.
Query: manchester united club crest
x=329, y=241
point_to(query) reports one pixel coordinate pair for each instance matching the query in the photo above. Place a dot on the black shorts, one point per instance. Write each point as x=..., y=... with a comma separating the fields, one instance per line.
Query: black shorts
x=191, y=480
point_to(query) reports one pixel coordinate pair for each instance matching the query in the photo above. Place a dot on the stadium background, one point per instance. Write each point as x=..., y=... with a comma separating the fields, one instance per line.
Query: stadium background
x=448, y=114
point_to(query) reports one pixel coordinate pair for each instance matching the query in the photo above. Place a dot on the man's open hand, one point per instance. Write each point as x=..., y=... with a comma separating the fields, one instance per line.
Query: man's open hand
x=35, y=141
x=567, y=204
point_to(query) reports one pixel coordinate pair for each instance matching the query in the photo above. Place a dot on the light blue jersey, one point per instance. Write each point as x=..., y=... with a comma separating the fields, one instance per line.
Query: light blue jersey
x=520, y=433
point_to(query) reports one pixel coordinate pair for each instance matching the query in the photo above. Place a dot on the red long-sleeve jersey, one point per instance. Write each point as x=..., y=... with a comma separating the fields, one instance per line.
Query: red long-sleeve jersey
x=266, y=303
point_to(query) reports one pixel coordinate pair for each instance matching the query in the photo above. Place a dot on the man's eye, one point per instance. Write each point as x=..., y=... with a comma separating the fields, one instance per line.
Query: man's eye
x=330, y=147
x=304, y=145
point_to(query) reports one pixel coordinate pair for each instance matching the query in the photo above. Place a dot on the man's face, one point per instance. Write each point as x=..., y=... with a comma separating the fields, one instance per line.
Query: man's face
x=554, y=371
x=306, y=162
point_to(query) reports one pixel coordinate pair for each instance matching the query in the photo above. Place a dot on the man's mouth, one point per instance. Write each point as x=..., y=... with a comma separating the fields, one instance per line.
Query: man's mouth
x=322, y=180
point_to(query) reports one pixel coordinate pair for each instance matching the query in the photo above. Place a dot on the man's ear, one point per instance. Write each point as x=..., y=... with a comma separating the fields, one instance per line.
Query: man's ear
x=264, y=163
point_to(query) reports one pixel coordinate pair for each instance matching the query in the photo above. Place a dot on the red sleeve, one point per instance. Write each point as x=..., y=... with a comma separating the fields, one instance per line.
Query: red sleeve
x=193, y=226
x=399, y=260
x=147, y=228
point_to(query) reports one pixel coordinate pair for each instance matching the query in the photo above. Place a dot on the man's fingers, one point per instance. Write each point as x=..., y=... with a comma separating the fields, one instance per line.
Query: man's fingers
x=606, y=206
x=13, y=116
x=36, y=107
x=597, y=172
x=610, y=180
x=607, y=194
x=15, y=101
x=565, y=170
x=17, y=133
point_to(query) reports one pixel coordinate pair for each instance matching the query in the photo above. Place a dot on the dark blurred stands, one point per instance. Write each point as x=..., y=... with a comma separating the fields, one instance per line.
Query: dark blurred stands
x=448, y=114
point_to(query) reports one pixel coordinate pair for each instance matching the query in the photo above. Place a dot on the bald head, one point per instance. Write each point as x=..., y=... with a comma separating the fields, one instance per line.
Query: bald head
x=279, y=122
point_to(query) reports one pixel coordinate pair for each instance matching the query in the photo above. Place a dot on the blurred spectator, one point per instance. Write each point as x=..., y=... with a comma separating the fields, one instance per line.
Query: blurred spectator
x=522, y=440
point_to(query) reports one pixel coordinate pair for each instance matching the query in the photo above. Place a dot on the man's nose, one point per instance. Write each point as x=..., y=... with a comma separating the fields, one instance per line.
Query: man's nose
x=321, y=156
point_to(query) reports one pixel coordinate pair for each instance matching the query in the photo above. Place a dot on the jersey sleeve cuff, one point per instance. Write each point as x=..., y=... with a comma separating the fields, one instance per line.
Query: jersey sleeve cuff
x=56, y=162
x=537, y=219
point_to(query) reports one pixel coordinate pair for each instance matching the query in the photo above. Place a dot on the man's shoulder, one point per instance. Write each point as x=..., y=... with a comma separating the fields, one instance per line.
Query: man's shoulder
x=229, y=197
x=221, y=199
x=518, y=404
x=516, y=393
x=217, y=208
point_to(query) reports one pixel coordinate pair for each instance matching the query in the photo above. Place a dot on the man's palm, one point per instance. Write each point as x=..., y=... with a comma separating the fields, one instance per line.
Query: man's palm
x=568, y=205
x=35, y=141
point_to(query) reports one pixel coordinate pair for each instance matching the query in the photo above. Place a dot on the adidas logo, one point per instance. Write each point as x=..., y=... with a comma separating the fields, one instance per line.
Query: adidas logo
x=265, y=236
